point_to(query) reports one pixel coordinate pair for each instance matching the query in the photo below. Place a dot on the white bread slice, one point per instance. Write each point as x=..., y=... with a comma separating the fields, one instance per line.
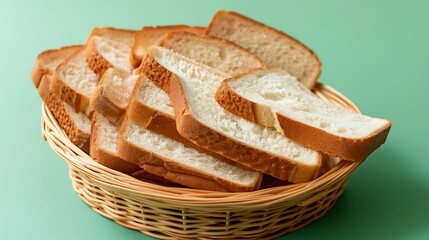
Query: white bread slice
x=148, y=36
x=174, y=161
x=76, y=125
x=275, y=48
x=47, y=61
x=113, y=93
x=74, y=81
x=104, y=138
x=107, y=48
x=274, y=98
x=201, y=119
x=225, y=57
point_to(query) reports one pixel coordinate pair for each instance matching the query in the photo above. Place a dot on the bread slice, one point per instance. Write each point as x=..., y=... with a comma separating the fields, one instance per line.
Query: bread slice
x=104, y=138
x=74, y=81
x=275, y=48
x=148, y=36
x=107, y=48
x=201, y=119
x=174, y=161
x=274, y=98
x=224, y=57
x=76, y=125
x=48, y=60
x=113, y=93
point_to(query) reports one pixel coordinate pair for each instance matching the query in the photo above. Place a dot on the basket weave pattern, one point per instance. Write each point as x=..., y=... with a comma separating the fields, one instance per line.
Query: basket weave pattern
x=183, y=213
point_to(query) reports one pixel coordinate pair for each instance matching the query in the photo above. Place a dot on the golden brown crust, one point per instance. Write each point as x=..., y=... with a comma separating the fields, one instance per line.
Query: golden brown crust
x=345, y=148
x=191, y=128
x=234, y=103
x=150, y=36
x=108, y=159
x=172, y=170
x=95, y=61
x=155, y=72
x=310, y=83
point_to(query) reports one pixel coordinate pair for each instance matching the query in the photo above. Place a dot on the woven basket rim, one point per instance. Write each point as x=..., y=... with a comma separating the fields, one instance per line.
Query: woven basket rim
x=136, y=189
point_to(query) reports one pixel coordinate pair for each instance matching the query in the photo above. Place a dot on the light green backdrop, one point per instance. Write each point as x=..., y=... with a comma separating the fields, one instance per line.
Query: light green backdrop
x=375, y=52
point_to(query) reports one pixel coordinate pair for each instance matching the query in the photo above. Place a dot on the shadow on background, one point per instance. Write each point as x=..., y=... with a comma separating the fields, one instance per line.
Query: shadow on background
x=385, y=199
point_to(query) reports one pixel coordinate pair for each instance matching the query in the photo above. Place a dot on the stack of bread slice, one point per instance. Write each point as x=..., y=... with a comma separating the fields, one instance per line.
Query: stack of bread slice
x=223, y=108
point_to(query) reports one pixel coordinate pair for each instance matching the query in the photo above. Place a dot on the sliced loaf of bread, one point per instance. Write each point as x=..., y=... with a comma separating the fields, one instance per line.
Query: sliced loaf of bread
x=74, y=81
x=275, y=48
x=274, y=98
x=107, y=48
x=76, y=125
x=202, y=120
x=174, y=161
x=148, y=36
x=224, y=57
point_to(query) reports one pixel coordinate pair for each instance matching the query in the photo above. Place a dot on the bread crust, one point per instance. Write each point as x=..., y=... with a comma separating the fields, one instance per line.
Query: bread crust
x=310, y=83
x=172, y=170
x=234, y=103
x=155, y=72
x=95, y=61
x=191, y=128
x=106, y=158
x=146, y=32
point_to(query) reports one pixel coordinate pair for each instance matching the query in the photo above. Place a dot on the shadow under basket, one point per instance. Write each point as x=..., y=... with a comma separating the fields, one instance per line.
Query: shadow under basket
x=183, y=213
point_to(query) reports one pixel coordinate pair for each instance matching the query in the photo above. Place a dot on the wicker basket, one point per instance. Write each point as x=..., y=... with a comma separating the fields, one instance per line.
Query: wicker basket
x=182, y=213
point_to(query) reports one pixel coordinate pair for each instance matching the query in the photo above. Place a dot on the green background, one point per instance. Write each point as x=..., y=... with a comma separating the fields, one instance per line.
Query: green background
x=375, y=52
